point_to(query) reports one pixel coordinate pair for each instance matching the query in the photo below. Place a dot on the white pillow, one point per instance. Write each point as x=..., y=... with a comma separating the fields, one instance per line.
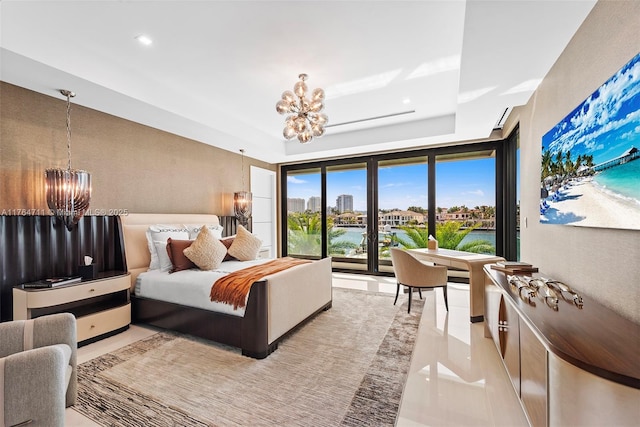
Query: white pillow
x=206, y=251
x=216, y=230
x=245, y=246
x=164, y=262
x=160, y=233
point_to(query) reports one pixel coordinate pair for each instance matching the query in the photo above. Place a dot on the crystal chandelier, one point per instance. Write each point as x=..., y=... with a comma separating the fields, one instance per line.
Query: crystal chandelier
x=68, y=191
x=305, y=120
x=242, y=201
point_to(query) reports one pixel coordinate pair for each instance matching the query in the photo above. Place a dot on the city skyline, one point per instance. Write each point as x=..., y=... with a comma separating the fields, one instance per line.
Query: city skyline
x=469, y=182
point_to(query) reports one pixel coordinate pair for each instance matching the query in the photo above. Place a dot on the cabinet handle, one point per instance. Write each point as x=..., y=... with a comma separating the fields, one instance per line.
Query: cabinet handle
x=92, y=326
x=92, y=290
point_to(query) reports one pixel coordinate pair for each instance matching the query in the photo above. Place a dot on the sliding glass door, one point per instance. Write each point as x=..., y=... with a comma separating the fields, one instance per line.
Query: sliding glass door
x=347, y=215
x=355, y=210
x=361, y=208
x=466, y=201
x=402, y=199
x=303, y=208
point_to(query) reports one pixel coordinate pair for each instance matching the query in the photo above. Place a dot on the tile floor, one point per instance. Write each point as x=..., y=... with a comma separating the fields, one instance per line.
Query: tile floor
x=456, y=376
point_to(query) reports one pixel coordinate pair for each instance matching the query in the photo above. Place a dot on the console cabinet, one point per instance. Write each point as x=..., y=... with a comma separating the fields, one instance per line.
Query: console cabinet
x=566, y=365
x=101, y=306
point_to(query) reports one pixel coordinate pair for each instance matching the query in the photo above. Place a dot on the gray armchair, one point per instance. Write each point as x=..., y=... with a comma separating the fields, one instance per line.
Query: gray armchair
x=38, y=370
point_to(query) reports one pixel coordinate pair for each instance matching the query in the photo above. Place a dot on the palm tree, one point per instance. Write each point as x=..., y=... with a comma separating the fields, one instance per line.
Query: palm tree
x=559, y=165
x=304, y=237
x=569, y=166
x=418, y=236
x=449, y=236
x=589, y=160
x=304, y=234
x=546, y=164
x=335, y=246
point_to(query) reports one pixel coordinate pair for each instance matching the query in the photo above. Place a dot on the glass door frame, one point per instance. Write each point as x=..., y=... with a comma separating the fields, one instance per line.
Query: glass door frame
x=505, y=192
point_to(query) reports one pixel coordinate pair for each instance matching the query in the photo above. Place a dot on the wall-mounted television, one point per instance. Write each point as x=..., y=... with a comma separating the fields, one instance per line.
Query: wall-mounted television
x=590, y=170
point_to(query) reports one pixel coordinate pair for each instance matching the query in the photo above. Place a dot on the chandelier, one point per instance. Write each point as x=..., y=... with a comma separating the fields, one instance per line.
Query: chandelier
x=242, y=201
x=305, y=120
x=68, y=191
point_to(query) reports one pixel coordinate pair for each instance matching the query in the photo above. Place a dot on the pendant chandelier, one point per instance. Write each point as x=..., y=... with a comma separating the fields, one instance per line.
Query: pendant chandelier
x=242, y=201
x=68, y=191
x=305, y=120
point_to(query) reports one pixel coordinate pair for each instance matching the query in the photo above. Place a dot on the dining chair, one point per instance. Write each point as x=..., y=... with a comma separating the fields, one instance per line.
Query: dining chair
x=413, y=273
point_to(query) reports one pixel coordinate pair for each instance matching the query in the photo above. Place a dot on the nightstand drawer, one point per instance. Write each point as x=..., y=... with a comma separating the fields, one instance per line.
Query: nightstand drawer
x=102, y=322
x=76, y=292
x=100, y=306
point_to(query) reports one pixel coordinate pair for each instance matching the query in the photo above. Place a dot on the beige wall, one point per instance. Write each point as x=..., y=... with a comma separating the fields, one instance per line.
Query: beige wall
x=602, y=263
x=133, y=167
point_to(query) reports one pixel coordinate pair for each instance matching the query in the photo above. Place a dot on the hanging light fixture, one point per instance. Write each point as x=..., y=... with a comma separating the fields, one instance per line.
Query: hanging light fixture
x=68, y=191
x=242, y=201
x=306, y=121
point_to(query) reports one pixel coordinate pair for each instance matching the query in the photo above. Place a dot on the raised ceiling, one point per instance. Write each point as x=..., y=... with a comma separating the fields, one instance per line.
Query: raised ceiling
x=445, y=70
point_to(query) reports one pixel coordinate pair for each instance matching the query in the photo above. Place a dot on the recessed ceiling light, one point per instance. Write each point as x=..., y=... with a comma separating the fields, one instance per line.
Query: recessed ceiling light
x=144, y=39
x=406, y=100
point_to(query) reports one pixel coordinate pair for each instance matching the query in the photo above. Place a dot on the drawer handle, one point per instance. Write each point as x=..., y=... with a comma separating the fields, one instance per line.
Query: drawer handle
x=92, y=290
x=92, y=326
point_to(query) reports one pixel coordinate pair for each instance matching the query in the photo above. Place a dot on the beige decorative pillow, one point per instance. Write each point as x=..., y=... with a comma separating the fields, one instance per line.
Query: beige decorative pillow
x=246, y=246
x=206, y=251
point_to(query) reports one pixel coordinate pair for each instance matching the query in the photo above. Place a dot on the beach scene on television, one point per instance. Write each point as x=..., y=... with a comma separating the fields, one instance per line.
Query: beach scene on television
x=590, y=170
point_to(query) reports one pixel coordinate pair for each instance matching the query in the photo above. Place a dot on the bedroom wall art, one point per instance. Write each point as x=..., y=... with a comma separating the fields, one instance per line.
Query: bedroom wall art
x=590, y=170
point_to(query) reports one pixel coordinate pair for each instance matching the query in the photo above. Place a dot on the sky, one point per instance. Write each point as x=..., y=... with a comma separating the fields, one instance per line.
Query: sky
x=606, y=124
x=470, y=183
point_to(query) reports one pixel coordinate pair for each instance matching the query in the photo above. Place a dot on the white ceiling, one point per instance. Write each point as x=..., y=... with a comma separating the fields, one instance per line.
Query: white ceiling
x=216, y=69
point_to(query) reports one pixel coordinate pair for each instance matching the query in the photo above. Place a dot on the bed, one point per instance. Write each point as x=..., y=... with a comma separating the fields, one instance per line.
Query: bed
x=275, y=305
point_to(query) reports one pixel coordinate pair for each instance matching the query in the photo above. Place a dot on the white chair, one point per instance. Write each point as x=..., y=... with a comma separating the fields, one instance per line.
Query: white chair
x=413, y=273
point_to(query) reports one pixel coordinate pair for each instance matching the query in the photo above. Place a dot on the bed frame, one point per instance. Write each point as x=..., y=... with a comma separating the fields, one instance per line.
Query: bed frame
x=275, y=306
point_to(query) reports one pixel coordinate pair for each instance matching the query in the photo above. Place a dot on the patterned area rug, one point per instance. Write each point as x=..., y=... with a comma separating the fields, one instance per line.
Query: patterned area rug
x=347, y=366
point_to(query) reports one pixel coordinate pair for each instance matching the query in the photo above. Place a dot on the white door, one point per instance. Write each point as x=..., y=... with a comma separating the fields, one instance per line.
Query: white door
x=263, y=189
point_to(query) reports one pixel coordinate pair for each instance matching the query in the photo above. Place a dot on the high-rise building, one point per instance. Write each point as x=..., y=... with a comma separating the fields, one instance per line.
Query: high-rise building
x=314, y=204
x=295, y=204
x=344, y=203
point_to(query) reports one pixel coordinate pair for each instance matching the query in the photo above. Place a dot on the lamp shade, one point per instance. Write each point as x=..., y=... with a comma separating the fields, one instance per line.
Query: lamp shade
x=242, y=201
x=68, y=193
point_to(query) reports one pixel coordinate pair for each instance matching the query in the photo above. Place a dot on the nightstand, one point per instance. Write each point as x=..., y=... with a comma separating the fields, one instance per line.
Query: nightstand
x=101, y=306
x=264, y=253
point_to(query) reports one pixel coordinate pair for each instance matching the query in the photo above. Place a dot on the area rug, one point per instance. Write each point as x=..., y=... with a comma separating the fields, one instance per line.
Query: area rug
x=347, y=366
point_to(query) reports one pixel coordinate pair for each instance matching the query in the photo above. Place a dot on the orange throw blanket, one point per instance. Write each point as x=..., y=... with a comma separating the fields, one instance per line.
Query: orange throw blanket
x=234, y=287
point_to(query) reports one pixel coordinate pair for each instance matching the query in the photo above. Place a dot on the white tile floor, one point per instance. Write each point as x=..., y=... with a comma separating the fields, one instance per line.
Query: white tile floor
x=456, y=376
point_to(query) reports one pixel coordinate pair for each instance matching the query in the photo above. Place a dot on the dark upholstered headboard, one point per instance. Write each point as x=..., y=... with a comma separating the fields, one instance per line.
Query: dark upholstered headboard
x=37, y=247
x=34, y=247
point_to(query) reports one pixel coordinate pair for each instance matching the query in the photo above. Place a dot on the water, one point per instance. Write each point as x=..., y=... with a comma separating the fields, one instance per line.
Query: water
x=622, y=181
x=354, y=235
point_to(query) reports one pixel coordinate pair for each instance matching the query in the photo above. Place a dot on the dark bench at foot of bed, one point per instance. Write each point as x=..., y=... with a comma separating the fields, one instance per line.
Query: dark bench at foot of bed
x=249, y=333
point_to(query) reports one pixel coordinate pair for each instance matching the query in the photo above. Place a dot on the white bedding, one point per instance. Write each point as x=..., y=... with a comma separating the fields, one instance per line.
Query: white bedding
x=190, y=287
